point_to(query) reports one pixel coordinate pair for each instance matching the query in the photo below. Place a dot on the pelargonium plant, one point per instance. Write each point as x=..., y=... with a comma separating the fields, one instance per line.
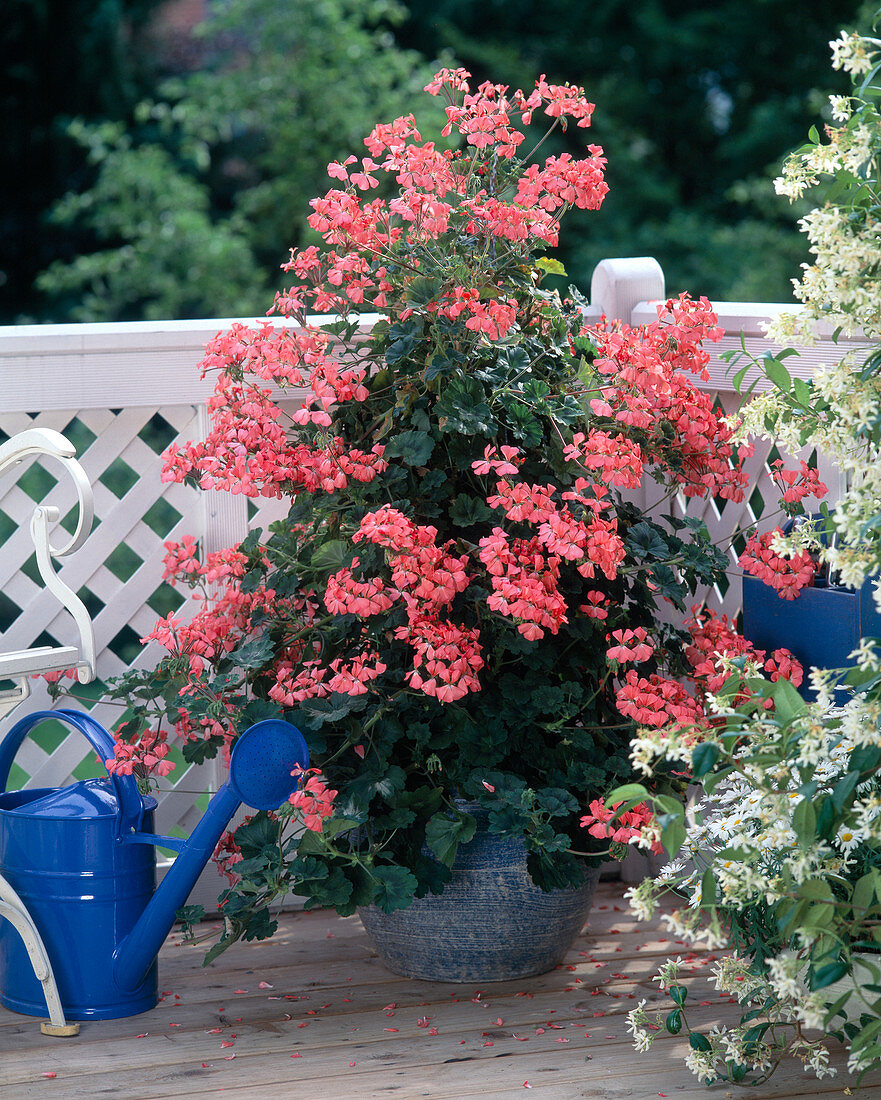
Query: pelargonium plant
x=786, y=863
x=463, y=600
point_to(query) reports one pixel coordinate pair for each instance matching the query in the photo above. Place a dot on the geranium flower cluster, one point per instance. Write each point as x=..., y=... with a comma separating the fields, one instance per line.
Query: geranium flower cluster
x=795, y=485
x=630, y=645
x=216, y=628
x=524, y=583
x=145, y=756
x=786, y=575
x=464, y=595
x=435, y=193
x=662, y=703
x=250, y=449
x=382, y=254
x=226, y=855
x=313, y=799
x=628, y=827
x=648, y=388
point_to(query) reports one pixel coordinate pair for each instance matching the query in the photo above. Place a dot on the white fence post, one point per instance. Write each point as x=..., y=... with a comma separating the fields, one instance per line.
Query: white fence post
x=619, y=285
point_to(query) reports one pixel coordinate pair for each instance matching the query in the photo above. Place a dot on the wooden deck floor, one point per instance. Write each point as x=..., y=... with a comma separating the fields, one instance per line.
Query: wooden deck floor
x=313, y=1013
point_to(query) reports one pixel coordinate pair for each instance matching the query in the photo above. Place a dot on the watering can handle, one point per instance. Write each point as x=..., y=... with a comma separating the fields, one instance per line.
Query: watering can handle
x=131, y=806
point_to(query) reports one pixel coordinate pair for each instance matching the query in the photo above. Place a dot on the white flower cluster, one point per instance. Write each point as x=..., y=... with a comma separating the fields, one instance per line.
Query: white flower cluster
x=841, y=107
x=791, y=327
x=638, y=1023
x=651, y=745
x=852, y=53
x=752, y=813
x=753, y=810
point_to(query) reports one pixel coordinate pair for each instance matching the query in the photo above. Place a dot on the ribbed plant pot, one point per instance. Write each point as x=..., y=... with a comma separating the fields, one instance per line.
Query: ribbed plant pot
x=490, y=924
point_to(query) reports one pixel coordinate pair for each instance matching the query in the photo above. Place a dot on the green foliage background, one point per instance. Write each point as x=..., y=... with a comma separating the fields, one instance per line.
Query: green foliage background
x=696, y=104
x=178, y=193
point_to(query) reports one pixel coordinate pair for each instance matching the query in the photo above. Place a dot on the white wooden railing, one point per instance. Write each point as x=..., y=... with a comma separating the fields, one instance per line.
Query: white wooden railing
x=122, y=393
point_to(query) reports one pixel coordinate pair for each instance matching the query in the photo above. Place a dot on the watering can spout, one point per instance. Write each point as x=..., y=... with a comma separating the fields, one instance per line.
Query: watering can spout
x=260, y=770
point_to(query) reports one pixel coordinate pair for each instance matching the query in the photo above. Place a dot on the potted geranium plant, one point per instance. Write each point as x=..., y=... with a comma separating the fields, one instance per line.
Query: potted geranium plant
x=460, y=610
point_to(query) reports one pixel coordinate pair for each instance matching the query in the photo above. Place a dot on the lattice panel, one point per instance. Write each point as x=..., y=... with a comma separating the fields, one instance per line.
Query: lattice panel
x=117, y=574
x=728, y=522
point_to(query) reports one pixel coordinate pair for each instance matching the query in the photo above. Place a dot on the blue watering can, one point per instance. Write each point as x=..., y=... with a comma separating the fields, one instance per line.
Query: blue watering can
x=80, y=861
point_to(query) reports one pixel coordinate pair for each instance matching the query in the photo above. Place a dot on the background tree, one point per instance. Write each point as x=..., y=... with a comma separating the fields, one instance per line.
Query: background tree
x=189, y=204
x=61, y=59
x=697, y=104
x=195, y=208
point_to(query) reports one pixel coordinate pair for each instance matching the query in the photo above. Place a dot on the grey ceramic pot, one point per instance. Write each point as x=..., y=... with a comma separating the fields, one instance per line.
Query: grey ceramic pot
x=491, y=923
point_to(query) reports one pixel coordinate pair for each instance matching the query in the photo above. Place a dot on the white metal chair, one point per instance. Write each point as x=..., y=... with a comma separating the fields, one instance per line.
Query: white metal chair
x=19, y=665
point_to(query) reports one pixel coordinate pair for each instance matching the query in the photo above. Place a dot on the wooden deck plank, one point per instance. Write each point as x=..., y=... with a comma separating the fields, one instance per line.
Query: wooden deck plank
x=327, y=1028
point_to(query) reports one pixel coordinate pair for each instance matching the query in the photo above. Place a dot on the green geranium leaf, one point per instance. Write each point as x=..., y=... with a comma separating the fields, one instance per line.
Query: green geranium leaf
x=256, y=710
x=555, y=801
x=331, y=556
x=515, y=361
x=364, y=788
x=550, y=266
x=197, y=752
x=254, y=653
x=466, y=511
x=332, y=708
x=431, y=875
x=394, y=888
x=667, y=584
x=422, y=289
x=312, y=843
x=523, y=423
x=399, y=349
x=258, y=834
x=334, y=891
x=463, y=409
x=444, y=834
x=441, y=363
x=566, y=409
x=645, y=541
x=413, y=447
x=535, y=390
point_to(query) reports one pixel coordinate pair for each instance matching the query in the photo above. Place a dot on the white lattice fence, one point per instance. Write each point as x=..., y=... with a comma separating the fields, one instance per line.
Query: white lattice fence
x=727, y=520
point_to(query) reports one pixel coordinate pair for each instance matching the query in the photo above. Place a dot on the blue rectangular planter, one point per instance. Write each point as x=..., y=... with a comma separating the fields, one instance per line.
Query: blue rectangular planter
x=821, y=627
